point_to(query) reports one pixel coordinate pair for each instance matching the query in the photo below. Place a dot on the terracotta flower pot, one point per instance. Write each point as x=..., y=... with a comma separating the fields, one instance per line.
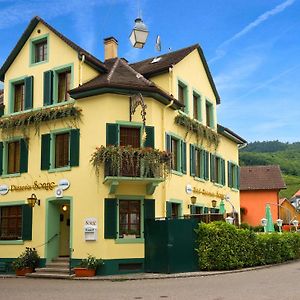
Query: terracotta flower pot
x=83, y=272
x=24, y=271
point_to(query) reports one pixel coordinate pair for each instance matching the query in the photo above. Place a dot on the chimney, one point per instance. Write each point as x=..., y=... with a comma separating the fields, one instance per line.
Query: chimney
x=110, y=48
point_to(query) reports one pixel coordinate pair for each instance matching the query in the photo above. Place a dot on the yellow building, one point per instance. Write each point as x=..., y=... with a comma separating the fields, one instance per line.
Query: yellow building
x=78, y=138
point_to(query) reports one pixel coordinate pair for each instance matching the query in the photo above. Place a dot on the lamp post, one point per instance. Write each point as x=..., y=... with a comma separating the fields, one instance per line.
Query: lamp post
x=296, y=223
x=264, y=223
x=229, y=220
x=279, y=224
x=227, y=198
x=139, y=34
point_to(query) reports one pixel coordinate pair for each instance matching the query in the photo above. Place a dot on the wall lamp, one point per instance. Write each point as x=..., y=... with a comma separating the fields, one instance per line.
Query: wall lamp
x=193, y=201
x=32, y=200
x=214, y=203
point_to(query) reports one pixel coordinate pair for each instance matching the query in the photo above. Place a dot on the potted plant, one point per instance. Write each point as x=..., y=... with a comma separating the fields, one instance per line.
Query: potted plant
x=88, y=266
x=27, y=261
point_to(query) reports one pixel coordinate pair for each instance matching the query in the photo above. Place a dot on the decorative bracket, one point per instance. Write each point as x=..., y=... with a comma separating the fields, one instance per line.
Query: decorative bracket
x=134, y=102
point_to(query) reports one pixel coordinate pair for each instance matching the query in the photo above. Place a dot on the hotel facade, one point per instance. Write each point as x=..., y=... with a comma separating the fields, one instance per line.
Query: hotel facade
x=100, y=146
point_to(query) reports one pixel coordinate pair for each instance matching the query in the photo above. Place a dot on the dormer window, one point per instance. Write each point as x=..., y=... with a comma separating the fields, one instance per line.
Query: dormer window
x=40, y=51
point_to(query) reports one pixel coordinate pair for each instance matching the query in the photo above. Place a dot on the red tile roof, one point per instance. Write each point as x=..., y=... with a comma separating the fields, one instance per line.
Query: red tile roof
x=261, y=178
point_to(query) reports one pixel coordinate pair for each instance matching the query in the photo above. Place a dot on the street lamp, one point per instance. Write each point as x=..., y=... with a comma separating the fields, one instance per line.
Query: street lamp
x=229, y=220
x=139, y=34
x=296, y=223
x=264, y=223
x=279, y=224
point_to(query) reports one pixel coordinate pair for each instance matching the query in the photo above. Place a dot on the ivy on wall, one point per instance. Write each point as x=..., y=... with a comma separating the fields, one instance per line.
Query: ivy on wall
x=202, y=132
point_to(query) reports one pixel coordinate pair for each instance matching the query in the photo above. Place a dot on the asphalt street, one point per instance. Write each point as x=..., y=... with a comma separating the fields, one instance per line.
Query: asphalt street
x=278, y=282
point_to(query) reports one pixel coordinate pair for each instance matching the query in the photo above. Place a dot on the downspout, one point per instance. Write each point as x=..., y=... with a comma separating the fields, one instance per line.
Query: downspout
x=164, y=130
x=81, y=68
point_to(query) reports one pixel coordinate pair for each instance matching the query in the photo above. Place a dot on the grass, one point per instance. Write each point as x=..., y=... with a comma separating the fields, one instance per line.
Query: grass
x=293, y=185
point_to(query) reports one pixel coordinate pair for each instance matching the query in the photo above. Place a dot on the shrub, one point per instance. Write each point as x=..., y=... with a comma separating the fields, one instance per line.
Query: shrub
x=222, y=246
x=27, y=259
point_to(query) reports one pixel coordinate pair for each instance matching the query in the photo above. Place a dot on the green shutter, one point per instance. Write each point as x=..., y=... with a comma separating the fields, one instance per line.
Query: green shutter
x=192, y=160
x=168, y=209
x=112, y=134
x=26, y=222
x=48, y=87
x=192, y=209
x=223, y=171
x=229, y=172
x=149, y=209
x=168, y=142
x=23, y=156
x=110, y=218
x=1, y=158
x=28, y=92
x=206, y=165
x=149, y=143
x=45, y=152
x=183, y=156
x=212, y=168
x=74, y=147
x=238, y=171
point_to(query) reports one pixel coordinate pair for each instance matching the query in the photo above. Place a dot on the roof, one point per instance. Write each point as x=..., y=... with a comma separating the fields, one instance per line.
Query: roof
x=297, y=194
x=148, y=68
x=1, y=97
x=231, y=135
x=261, y=178
x=89, y=58
x=124, y=79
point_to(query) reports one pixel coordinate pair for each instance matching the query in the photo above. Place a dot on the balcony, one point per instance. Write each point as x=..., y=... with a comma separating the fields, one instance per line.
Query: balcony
x=131, y=166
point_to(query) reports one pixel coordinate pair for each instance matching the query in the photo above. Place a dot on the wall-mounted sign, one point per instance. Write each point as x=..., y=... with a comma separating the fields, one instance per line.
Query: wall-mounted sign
x=188, y=189
x=4, y=189
x=64, y=184
x=208, y=193
x=90, y=229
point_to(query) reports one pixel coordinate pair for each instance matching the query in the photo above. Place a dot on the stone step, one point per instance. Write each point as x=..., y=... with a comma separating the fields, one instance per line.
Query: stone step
x=57, y=264
x=50, y=275
x=52, y=270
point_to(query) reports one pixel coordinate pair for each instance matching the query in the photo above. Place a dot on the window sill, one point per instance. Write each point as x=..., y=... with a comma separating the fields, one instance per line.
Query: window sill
x=234, y=190
x=199, y=179
x=12, y=242
x=63, y=169
x=59, y=103
x=33, y=64
x=11, y=175
x=130, y=241
x=176, y=172
x=218, y=184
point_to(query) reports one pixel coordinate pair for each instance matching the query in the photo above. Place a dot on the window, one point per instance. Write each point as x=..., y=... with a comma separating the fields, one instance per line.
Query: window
x=62, y=150
x=129, y=218
x=126, y=217
x=233, y=173
x=21, y=94
x=217, y=169
x=40, y=51
x=209, y=114
x=16, y=222
x=178, y=149
x=57, y=84
x=63, y=147
x=199, y=166
x=174, y=209
x=130, y=136
x=19, y=97
x=196, y=107
x=13, y=157
x=183, y=95
x=11, y=223
x=64, y=84
x=196, y=209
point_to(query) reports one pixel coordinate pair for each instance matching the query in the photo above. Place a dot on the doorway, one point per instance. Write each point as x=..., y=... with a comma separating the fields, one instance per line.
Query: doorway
x=58, y=228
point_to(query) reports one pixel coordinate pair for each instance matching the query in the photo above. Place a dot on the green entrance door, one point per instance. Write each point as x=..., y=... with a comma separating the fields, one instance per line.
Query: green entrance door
x=57, y=228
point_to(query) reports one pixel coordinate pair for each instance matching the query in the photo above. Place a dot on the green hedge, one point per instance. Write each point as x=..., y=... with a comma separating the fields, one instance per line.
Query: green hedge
x=224, y=247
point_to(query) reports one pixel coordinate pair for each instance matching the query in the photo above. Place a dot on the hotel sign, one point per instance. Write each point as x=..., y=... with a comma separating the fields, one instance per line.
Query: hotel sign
x=208, y=193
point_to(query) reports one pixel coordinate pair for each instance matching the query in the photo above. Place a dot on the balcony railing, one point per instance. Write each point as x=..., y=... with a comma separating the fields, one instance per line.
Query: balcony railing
x=125, y=161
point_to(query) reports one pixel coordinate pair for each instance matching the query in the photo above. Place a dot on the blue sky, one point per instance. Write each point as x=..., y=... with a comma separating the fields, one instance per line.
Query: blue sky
x=252, y=47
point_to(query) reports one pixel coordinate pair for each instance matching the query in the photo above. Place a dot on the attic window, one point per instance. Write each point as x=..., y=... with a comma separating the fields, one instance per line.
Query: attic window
x=39, y=49
x=155, y=60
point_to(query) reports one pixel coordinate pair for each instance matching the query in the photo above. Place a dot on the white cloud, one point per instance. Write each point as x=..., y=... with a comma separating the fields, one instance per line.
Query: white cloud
x=221, y=49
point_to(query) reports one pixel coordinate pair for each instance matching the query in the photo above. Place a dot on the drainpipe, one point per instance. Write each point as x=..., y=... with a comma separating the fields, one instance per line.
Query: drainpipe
x=81, y=68
x=164, y=126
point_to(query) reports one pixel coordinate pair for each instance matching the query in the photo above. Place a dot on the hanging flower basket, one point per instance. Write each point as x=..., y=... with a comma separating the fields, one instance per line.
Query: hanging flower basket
x=202, y=132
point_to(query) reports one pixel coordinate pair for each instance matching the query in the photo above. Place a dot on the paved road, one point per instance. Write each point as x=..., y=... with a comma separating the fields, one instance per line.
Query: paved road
x=279, y=282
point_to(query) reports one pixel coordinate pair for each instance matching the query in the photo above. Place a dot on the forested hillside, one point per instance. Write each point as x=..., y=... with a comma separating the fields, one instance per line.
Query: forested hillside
x=286, y=155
